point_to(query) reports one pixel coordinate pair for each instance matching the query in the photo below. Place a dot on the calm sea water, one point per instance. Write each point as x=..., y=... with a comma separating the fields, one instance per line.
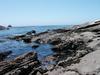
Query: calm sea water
x=19, y=47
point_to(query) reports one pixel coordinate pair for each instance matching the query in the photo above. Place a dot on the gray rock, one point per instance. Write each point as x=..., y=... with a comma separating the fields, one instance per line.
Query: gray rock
x=22, y=65
x=2, y=27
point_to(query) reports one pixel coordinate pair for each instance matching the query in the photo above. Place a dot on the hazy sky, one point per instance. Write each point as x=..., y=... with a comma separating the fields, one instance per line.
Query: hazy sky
x=47, y=12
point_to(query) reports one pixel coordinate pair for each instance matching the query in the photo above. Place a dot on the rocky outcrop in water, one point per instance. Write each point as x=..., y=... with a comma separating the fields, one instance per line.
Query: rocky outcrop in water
x=31, y=32
x=3, y=55
x=2, y=27
x=9, y=26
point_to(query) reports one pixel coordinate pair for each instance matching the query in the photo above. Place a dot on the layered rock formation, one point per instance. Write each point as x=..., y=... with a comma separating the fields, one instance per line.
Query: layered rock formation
x=76, y=52
x=22, y=65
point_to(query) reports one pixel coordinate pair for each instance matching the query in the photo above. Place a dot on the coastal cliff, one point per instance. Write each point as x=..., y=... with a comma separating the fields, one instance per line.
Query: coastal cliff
x=76, y=52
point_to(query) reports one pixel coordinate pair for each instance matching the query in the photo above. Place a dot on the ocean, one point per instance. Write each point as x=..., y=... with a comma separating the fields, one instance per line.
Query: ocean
x=19, y=47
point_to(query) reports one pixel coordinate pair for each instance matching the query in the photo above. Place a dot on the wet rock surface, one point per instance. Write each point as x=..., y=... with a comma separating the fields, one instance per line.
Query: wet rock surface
x=76, y=52
x=31, y=32
x=3, y=55
x=27, y=40
x=21, y=65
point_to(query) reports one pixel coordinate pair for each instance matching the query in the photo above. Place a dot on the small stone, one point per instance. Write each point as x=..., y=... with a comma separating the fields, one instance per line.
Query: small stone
x=38, y=73
x=25, y=67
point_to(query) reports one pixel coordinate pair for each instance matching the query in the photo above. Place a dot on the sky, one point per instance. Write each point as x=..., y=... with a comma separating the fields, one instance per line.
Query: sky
x=48, y=12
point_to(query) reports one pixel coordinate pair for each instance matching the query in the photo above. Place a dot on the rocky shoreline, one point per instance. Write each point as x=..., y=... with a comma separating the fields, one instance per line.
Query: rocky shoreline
x=76, y=52
x=5, y=28
x=2, y=27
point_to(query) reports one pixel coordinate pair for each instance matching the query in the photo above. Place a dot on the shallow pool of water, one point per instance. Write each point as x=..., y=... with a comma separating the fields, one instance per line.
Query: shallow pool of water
x=19, y=47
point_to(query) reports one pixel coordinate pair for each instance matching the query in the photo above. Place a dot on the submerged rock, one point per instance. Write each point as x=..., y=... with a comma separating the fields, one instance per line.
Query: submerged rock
x=1, y=41
x=35, y=46
x=3, y=55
